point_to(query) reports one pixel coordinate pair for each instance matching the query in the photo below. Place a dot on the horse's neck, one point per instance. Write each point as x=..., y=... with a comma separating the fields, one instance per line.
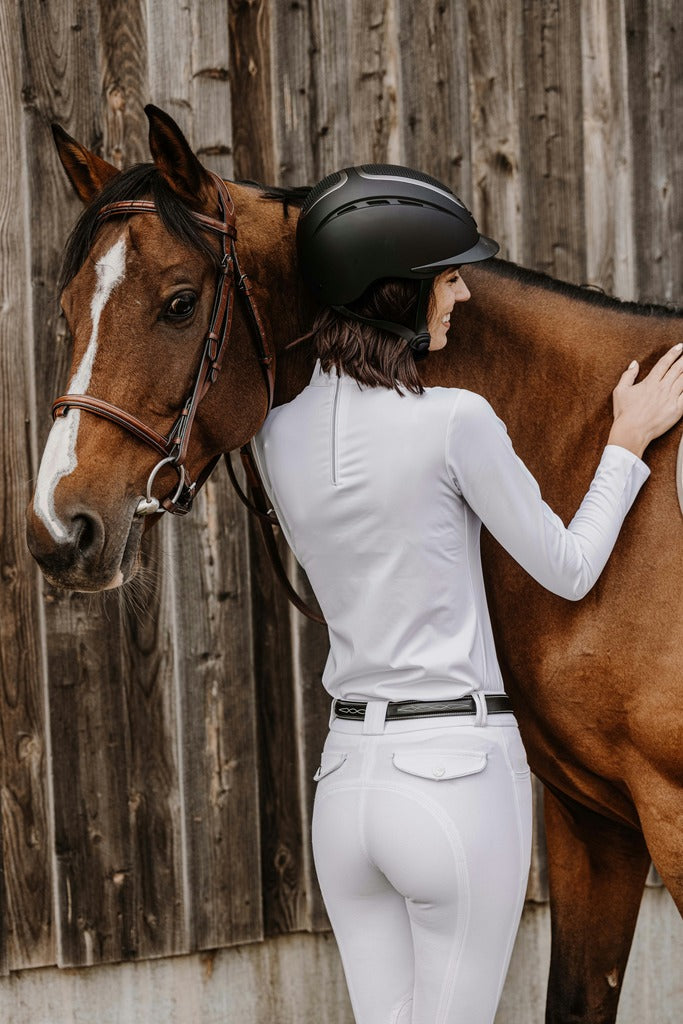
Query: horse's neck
x=548, y=361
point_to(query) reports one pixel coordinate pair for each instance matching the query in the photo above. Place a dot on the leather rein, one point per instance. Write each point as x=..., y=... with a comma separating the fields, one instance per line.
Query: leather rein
x=174, y=446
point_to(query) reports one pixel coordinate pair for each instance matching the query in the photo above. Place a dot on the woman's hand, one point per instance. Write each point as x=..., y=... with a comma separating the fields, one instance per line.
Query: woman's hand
x=644, y=411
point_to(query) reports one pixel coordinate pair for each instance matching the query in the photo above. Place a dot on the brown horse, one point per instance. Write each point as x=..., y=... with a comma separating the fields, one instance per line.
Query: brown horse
x=594, y=683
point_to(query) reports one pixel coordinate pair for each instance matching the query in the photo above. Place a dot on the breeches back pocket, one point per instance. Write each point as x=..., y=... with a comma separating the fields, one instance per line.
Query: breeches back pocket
x=430, y=764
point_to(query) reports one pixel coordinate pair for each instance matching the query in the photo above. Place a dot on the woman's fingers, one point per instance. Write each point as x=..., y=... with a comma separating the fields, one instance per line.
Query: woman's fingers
x=664, y=364
x=647, y=408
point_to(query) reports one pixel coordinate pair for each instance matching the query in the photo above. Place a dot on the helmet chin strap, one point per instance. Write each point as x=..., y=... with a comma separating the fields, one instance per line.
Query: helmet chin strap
x=419, y=338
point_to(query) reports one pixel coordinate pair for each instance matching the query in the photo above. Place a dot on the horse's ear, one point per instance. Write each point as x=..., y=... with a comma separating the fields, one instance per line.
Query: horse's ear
x=87, y=172
x=176, y=161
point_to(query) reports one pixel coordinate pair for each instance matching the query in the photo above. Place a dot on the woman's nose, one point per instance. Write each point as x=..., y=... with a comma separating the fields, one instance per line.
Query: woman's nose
x=462, y=292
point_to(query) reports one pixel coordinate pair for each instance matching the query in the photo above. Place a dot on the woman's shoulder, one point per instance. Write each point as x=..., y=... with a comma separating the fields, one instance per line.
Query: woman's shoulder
x=461, y=402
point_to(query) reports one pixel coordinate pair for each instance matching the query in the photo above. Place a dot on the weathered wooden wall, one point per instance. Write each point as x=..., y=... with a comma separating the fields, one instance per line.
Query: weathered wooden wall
x=156, y=757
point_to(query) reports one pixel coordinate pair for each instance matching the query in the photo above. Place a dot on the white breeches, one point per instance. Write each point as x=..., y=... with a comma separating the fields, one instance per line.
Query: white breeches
x=422, y=842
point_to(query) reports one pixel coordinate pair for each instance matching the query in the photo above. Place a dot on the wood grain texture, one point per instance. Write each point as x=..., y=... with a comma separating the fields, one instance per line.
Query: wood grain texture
x=283, y=850
x=59, y=83
x=332, y=138
x=433, y=43
x=251, y=90
x=310, y=647
x=655, y=73
x=293, y=92
x=26, y=882
x=210, y=62
x=374, y=67
x=495, y=81
x=153, y=799
x=608, y=149
x=218, y=738
x=189, y=74
x=92, y=831
x=552, y=140
x=123, y=41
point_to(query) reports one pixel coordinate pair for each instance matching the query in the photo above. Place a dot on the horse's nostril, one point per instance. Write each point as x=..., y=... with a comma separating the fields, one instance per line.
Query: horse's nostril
x=88, y=534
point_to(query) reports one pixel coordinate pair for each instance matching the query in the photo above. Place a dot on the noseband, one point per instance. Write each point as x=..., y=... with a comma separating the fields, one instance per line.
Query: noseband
x=174, y=446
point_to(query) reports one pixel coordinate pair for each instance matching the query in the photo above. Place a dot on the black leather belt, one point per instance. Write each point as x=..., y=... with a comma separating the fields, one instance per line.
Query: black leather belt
x=496, y=704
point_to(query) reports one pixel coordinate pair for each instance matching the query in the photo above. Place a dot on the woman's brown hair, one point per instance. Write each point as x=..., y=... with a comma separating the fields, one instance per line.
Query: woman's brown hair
x=374, y=357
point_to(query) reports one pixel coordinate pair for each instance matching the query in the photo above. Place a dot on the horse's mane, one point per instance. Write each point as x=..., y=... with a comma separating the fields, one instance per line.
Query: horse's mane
x=580, y=293
x=289, y=195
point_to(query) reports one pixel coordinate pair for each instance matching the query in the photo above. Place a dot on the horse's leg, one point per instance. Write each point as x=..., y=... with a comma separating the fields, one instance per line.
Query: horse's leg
x=660, y=808
x=596, y=874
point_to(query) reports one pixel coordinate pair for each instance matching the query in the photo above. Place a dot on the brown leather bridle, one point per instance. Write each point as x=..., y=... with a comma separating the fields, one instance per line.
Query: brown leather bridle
x=174, y=446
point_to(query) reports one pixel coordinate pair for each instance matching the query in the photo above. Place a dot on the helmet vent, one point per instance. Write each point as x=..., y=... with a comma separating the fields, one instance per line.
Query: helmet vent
x=404, y=172
x=319, y=189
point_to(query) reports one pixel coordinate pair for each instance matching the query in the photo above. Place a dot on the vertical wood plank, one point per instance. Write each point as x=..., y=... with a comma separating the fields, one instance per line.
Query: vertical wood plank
x=310, y=646
x=123, y=39
x=156, y=853
x=552, y=140
x=251, y=90
x=58, y=84
x=496, y=78
x=285, y=900
x=653, y=33
x=26, y=880
x=608, y=154
x=332, y=139
x=189, y=74
x=211, y=84
x=374, y=64
x=217, y=695
x=435, y=112
x=92, y=834
x=293, y=109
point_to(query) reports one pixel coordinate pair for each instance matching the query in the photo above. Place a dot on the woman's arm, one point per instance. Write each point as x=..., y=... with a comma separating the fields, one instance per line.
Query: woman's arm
x=504, y=494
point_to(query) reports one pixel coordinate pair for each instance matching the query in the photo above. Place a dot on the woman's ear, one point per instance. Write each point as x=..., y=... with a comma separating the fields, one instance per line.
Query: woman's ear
x=87, y=172
x=176, y=161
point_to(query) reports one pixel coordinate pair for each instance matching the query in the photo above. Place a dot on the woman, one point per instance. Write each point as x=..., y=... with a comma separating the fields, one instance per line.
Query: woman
x=422, y=815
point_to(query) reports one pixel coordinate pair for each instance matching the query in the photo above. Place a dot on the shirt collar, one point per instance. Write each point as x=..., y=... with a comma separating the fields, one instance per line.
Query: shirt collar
x=320, y=379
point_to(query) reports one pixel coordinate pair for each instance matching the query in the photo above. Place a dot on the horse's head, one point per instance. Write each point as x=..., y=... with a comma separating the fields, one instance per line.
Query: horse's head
x=140, y=295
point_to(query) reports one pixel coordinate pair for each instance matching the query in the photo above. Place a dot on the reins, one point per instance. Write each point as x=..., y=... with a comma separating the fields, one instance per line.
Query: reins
x=173, y=447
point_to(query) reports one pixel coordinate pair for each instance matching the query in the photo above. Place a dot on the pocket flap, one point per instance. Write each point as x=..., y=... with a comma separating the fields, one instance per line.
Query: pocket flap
x=329, y=763
x=430, y=765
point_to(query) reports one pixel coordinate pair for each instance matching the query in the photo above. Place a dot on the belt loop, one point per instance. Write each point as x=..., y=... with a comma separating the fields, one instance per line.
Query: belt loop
x=375, y=714
x=482, y=712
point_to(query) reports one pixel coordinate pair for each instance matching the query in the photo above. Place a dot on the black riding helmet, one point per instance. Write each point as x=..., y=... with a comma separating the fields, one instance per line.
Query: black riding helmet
x=361, y=224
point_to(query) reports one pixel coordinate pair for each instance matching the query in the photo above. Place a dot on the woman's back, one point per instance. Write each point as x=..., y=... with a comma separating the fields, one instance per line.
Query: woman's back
x=360, y=481
x=381, y=497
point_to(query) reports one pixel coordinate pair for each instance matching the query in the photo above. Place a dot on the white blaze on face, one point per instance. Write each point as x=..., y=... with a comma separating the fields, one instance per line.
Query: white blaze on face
x=59, y=457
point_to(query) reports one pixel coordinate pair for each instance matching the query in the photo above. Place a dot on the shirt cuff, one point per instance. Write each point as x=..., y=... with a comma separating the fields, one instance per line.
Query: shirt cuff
x=625, y=455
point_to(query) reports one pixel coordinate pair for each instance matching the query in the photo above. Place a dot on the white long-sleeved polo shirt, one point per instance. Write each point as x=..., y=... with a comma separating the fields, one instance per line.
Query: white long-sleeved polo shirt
x=381, y=497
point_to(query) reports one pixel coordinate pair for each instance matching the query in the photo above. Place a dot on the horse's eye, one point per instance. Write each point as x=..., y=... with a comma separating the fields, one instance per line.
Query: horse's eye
x=181, y=306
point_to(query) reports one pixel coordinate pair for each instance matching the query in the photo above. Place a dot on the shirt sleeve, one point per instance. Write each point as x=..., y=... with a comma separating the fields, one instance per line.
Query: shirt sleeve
x=496, y=484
